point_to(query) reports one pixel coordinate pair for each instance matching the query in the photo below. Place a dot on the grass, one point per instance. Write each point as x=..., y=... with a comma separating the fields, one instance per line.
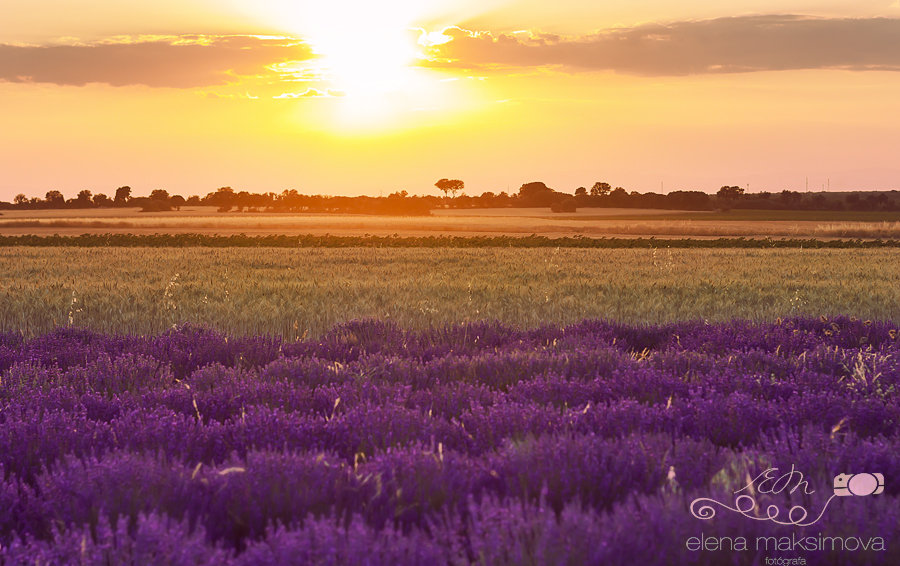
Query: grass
x=305, y=291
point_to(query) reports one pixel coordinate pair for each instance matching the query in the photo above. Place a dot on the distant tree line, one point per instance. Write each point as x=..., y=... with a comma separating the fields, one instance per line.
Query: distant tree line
x=226, y=199
x=159, y=199
x=533, y=194
x=735, y=197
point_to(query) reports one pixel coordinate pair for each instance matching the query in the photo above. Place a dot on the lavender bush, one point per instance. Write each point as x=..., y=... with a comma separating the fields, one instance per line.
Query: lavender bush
x=465, y=444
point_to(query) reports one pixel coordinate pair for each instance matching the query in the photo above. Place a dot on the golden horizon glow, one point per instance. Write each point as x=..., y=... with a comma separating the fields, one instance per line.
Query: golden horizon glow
x=335, y=97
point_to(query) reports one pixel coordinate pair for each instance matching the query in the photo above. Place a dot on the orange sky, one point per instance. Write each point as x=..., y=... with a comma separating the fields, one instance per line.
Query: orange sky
x=351, y=97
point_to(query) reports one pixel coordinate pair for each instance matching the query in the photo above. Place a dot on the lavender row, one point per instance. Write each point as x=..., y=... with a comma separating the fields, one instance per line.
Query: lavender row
x=645, y=530
x=188, y=348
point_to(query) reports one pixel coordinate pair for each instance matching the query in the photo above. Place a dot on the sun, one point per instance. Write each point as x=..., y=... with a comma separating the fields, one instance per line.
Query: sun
x=368, y=57
x=370, y=52
x=364, y=48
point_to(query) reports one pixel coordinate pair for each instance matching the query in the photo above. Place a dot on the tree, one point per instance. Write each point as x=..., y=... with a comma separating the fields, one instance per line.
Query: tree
x=54, y=199
x=83, y=200
x=537, y=193
x=733, y=192
x=101, y=199
x=159, y=194
x=534, y=188
x=177, y=201
x=688, y=200
x=20, y=199
x=451, y=186
x=224, y=198
x=580, y=192
x=123, y=195
x=600, y=189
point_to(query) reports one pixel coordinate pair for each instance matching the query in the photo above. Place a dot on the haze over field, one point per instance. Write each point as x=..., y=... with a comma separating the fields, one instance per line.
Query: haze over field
x=350, y=97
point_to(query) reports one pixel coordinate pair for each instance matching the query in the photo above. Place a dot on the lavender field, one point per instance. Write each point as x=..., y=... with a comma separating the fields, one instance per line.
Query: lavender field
x=465, y=444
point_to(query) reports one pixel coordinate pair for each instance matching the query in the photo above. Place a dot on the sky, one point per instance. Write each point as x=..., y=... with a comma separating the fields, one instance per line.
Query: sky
x=363, y=97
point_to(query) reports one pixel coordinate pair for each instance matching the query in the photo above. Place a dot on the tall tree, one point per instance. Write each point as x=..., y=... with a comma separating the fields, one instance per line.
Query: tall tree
x=451, y=186
x=536, y=193
x=83, y=200
x=600, y=189
x=123, y=195
x=159, y=194
x=54, y=199
x=732, y=192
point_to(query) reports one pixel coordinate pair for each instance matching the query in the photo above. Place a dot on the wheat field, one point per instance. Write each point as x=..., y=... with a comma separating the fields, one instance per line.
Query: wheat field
x=304, y=292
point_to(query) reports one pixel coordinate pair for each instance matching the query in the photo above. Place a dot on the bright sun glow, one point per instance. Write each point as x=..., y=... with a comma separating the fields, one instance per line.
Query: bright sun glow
x=367, y=55
x=366, y=48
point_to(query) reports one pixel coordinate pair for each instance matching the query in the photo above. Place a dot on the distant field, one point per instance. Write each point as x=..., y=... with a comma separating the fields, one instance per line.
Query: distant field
x=469, y=222
x=292, y=292
x=743, y=215
x=431, y=241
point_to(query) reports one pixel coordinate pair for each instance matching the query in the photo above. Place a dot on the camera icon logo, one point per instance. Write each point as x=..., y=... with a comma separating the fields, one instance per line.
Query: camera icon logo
x=858, y=484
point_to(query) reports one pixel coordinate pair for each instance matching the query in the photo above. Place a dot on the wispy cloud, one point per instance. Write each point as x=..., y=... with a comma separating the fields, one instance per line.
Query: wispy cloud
x=725, y=45
x=312, y=93
x=184, y=61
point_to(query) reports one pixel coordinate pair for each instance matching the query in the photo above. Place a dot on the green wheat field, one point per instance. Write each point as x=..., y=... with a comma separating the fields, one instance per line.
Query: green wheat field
x=304, y=292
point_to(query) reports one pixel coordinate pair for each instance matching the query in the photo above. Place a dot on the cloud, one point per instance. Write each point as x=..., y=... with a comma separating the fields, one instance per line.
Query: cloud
x=163, y=61
x=725, y=45
x=312, y=93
